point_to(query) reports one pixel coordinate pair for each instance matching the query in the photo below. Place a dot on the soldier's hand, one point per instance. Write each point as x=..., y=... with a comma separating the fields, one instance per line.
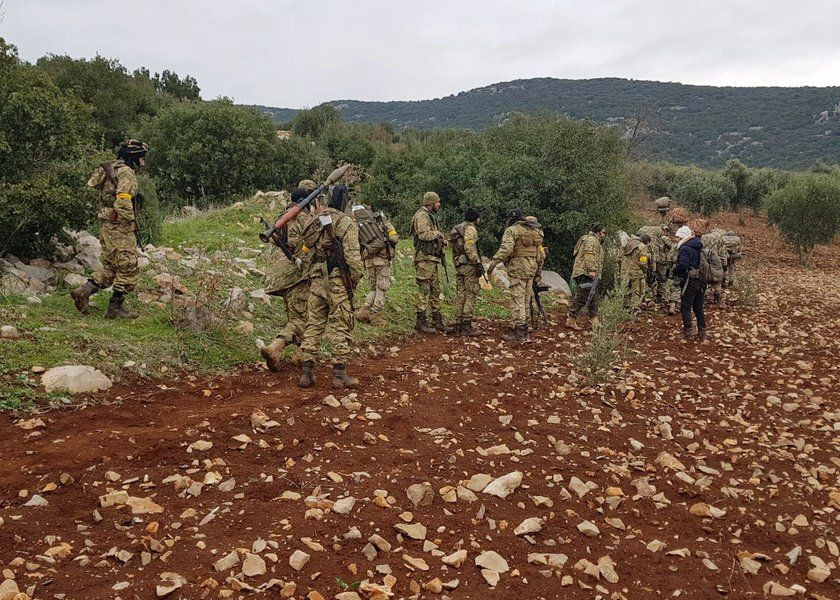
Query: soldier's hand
x=113, y=217
x=479, y=269
x=592, y=274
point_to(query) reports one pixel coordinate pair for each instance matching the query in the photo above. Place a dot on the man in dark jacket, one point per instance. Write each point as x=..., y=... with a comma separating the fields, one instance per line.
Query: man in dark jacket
x=693, y=290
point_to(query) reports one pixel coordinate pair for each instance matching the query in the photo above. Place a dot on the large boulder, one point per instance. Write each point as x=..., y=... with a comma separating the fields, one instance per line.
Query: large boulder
x=74, y=280
x=89, y=252
x=76, y=379
x=555, y=283
x=188, y=212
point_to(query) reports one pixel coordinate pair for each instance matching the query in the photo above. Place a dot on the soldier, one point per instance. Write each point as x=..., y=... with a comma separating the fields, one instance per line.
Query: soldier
x=715, y=241
x=429, y=244
x=633, y=267
x=468, y=270
x=335, y=271
x=658, y=250
x=521, y=253
x=733, y=248
x=674, y=290
x=589, y=262
x=378, y=239
x=289, y=278
x=117, y=185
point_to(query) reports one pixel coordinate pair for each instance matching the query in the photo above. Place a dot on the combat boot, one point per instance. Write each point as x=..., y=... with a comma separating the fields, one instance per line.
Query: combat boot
x=438, y=323
x=519, y=334
x=81, y=295
x=363, y=313
x=571, y=323
x=455, y=329
x=688, y=333
x=377, y=320
x=701, y=334
x=307, y=379
x=116, y=310
x=341, y=379
x=273, y=354
x=467, y=329
x=421, y=324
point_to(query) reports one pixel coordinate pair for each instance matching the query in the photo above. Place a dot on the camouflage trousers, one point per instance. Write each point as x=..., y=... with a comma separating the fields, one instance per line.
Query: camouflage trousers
x=428, y=284
x=467, y=287
x=520, y=293
x=379, y=277
x=119, y=258
x=714, y=292
x=636, y=288
x=673, y=292
x=328, y=316
x=729, y=273
x=657, y=285
x=296, y=300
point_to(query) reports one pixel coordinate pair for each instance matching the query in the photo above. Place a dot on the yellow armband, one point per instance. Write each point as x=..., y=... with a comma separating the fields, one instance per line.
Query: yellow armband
x=643, y=259
x=124, y=196
x=469, y=243
x=392, y=232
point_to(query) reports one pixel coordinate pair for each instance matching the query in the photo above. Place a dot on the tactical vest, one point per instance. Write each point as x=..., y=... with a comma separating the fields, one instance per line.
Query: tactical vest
x=456, y=240
x=372, y=234
x=432, y=248
x=528, y=243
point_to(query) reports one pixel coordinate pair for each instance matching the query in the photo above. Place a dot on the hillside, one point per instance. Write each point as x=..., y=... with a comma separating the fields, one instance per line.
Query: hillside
x=705, y=125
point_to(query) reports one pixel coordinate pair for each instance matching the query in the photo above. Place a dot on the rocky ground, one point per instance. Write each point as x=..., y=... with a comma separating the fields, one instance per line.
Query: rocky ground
x=461, y=469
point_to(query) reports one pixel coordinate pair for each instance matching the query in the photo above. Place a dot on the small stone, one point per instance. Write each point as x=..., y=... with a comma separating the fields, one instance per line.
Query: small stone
x=75, y=379
x=420, y=494
x=298, y=560
x=143, y=506
x=491, y=577
x=417, y=563
x=589, y=529
x=343, y=506
x=504, y=485
x=456, y=559
x=227, y=562
x=478, y=482
x=701, y=509
x=493, y=561
x=37, y=501
x=415, y=531
x=530, y=525
x=9, y=332
x=253, y=566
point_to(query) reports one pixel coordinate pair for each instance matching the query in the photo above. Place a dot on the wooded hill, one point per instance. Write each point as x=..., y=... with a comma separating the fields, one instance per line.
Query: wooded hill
x=705, y=125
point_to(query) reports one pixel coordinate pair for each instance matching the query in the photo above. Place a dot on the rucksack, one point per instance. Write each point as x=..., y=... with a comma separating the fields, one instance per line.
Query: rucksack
x=710, y=270
x=372, y=234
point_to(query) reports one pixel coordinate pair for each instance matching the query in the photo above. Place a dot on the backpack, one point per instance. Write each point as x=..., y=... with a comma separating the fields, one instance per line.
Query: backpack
x=710, y=270
x=372, y=234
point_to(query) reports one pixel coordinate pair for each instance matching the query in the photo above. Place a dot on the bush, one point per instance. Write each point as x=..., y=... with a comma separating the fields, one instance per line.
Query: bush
x=151, y=214
x=807, y=211
x=701, y=191
x=211, y=151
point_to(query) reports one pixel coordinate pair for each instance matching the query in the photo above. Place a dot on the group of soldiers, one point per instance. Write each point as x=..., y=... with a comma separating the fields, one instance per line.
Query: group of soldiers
x=320, y=255
x=332, y=236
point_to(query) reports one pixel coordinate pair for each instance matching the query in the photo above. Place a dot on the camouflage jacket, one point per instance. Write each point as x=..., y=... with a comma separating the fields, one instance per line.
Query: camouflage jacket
x=428, y=239
x=714, y=241
x=282, y=273
x=346, y=232
x=634, y=259
x=521, y=250
x=589, y=256
x=464, y=238
x=115, y=197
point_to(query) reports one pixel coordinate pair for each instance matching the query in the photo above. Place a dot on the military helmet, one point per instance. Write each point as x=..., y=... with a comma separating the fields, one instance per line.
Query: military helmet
x=131, y=151
x=645, y=238
x=307, y=184
x=430, y=198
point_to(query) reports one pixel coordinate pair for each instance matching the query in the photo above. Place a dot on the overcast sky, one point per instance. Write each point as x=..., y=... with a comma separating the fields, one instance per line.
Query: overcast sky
x=299, y=53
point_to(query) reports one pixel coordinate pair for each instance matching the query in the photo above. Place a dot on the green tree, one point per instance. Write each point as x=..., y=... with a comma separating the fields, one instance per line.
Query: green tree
x=705, y=192
x=738, y=175
x=119, y=100
x=43, y=134
x=313, y=122
x=807, y=211
x=211, y=151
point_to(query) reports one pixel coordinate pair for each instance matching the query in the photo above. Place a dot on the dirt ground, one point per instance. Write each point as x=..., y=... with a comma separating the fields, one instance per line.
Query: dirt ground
x=701, y=470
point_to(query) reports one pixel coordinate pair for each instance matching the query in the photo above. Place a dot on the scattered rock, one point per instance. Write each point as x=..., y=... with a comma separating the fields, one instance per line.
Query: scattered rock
x=253, y=566
x=76, y=379
x=504, y=485
x=298, y=560
x=9, y=332
x=492, y=561
x=420, y=494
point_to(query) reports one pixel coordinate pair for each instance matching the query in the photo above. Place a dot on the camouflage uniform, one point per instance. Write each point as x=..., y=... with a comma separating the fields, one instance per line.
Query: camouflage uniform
x=733, y=249
x=658, y=250
x=291, y=281
x=468, y=270
x=589, y=258
x=674, y=289
x=633, y=267
x=377, y=261
x=119, y=245
x=714, y=241
x=428, y=252
x=521, y=253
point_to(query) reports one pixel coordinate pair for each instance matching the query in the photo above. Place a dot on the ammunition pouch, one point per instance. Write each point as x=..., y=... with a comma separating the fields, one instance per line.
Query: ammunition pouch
x=433, y=248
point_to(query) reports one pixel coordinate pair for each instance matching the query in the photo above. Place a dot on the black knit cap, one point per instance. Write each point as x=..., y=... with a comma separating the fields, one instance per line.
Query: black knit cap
x=516, y=215
x=299, y=194
x=471, y=215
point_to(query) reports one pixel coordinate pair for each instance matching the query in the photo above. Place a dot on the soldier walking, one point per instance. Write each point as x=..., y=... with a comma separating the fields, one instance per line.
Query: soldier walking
x=658, y=250
x=289, y=278
x=336, y=269
x=589, y=263
x=633, y=268
x=117, y=185
x=521, y=253
x=468, y=271
x=429, y=243
x=378, y=240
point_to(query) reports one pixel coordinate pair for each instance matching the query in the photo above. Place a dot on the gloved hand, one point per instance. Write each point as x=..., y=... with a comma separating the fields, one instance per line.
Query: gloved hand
x=479, y=269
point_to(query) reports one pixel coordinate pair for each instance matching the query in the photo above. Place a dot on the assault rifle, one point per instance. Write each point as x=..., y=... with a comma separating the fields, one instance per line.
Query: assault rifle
x=340, y=259
x=540, y=312
x=286, y=217
x=593, y=288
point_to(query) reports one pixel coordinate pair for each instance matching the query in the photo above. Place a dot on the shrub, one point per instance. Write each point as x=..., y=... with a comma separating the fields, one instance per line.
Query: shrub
x=211, y=151
x=807, y=211
x=151, y=214
x=705, y=192
x=607, y=343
